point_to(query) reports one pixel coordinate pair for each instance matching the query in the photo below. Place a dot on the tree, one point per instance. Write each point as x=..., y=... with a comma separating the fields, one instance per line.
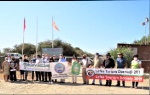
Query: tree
x=127, y=52
x=29, y=49
x=7, y=50
x=68, y=50
x=142, y=40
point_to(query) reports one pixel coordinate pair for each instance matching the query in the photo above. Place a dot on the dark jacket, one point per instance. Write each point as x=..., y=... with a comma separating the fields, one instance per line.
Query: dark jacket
x=109, y=63
x=51, y=60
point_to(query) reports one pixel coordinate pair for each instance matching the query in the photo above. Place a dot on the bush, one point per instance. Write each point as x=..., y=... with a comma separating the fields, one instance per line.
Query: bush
x=127, y=52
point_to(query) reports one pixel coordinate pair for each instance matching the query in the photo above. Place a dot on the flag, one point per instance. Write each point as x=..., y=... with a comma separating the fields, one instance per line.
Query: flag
x=147, y=20
x=143, y=23
x=55, y=26
x=24, y=24
x=75, y=68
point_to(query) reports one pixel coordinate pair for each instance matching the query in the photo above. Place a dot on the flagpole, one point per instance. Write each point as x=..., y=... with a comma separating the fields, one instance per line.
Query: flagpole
x=23, y=36
x=36, y=36
x=145, y=35
x=23, y=43
x=52, y=33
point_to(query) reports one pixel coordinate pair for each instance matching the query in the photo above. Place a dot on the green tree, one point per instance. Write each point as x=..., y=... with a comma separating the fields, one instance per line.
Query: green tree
x=7, y=50
x=142, y=40
x=127, y=52
x=29, y=49
x=68, y=50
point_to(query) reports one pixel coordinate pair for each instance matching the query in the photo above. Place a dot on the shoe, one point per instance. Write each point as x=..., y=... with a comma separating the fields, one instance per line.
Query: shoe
x=131, y=87
x=51, y=82
x=118, y=85
x=106, y=84
x=123, y=85
x=84, y=83
x=61, y=82
x=23, y=80
x=136, y=87
x=93, y=83
x=100, y=84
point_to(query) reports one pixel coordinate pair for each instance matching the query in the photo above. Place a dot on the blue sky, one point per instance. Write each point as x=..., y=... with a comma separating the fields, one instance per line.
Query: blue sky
x=94, y=26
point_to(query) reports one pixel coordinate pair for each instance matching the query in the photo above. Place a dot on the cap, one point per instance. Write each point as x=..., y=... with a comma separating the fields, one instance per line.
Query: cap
x=84, y=55
x=108, y=54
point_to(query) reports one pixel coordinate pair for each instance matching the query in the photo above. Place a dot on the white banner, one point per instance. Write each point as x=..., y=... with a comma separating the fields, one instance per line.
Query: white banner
x=127, y=72
x=59, y=70
x=35, y=67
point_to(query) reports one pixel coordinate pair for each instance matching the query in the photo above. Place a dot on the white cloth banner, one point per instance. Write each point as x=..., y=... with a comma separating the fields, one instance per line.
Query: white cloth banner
x=59, y=70
x=129, y=72
x=35, y=67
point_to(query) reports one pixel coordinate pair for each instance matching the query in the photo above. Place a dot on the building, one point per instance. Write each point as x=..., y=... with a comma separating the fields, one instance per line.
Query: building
x=143, y=51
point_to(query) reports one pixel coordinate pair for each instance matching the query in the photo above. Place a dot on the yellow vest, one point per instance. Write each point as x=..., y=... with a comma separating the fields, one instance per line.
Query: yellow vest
x=135, y=64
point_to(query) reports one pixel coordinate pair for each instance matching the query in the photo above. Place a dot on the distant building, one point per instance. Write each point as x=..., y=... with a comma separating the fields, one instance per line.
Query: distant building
x=143, y=51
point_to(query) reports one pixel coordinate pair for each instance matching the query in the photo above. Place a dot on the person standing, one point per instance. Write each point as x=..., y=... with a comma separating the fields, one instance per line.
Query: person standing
x=21, y=71
x=121, y=63
x=26, y=72
x=74, y=77
x=108, y=63
x=38, y=73
x=62, y=59
x=9, y=60
x=50, y=73
x=135, y=64
x=43, y=62
x=55, y=60
x=5, y=68
x=13, y=67
x=46, y=60
x=33, y=60
x=97, y=64
x=85, y=64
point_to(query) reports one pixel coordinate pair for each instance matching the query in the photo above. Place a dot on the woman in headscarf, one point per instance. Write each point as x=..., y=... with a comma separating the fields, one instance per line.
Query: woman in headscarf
x=74, y=77
x=5, y=67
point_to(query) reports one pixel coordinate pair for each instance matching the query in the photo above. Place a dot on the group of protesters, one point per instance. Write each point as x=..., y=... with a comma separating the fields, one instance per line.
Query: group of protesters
x=10, y=65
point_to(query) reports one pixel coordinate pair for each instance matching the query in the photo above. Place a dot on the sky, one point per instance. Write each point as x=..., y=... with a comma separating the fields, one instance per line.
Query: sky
x=94, y=26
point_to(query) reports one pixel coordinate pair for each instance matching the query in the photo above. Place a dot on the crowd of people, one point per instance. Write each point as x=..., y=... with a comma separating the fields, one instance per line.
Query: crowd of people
x=9, y=67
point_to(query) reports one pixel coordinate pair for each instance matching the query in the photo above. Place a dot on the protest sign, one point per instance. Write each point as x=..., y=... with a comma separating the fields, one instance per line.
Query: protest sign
x=115, y=74
x=59, y=70
x=75, y=68
x=35, y=67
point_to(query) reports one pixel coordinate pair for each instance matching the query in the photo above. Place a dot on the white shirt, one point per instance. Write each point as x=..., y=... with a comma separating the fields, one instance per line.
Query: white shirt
x=84, y=61
x=38, y=61
x=9, y=59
